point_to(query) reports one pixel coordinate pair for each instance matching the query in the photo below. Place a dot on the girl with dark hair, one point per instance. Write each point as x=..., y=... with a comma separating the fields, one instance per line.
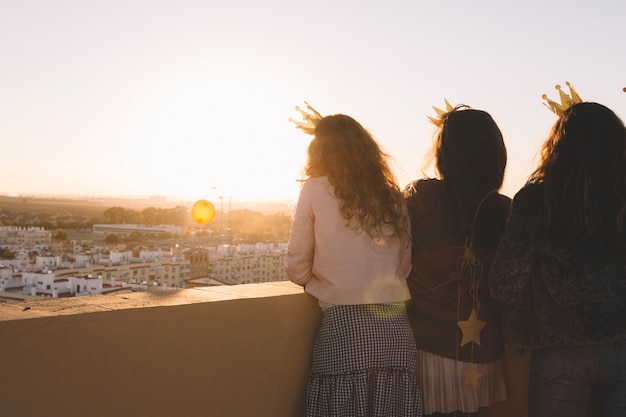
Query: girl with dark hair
x=349, y=247
x=456, y=222
x=561, y=265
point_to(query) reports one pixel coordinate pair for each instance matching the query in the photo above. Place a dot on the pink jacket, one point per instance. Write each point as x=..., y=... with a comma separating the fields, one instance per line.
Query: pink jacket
x=337, y=265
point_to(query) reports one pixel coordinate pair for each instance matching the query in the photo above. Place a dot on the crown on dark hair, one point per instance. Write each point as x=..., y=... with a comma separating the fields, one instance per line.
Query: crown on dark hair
x=567, y=100
x=441, y=114
x=309, y=119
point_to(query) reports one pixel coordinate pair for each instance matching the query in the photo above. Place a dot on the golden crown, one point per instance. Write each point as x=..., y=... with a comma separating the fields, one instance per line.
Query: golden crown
x=438, y=121
x=567, y=100
x=309, y=119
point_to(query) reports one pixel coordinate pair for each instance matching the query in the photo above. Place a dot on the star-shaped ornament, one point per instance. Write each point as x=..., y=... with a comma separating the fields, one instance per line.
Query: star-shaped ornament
x=472, y=376
x=471, y=328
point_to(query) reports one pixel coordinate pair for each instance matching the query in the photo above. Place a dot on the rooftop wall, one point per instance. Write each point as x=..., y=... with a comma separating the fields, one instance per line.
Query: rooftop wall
x=213, y=351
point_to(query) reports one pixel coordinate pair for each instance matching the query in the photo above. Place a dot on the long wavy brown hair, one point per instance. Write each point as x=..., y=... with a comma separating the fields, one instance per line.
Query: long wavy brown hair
x=364, y=184
x=583, y=177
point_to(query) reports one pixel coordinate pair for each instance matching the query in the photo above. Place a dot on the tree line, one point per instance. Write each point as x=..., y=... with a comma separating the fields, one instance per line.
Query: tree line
x=237, y=225
x=149, y=216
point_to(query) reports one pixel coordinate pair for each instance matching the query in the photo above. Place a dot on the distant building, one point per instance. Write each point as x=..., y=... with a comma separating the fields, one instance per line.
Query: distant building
x=36, y=285
x=42, y=268
x=47, y=283
x=6, y=277
x=13, y=235
x=62, y=246
x=199, y=262
x=47, y=262
x=153, y=275
x=126, y=229
x=248, y=269
x=231, y=265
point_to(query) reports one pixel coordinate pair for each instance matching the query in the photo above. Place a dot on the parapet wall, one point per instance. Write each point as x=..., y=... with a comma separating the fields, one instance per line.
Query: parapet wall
x=218, y=351
x=212, y=351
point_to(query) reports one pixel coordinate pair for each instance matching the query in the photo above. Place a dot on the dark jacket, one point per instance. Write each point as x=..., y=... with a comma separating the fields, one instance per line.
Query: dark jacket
x=444, y=269
x=559, y=294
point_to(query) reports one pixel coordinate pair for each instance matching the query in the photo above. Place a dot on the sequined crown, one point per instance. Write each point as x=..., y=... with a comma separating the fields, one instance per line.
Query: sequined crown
x=567, y=100
x=310, y=117
x=441, y=114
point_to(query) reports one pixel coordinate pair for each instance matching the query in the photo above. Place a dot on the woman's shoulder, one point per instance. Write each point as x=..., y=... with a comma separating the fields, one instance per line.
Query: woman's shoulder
x=528, y=196
x=503, y=202
x=504, y=199
x=316, y=180
x=422, y=196
x=316, y=183
x=528, y=190
x=498, y=205
x=317, y=187
x=422, y=186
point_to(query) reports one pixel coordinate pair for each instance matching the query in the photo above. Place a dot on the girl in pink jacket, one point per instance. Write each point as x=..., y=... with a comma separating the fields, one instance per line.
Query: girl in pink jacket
x=350, y=248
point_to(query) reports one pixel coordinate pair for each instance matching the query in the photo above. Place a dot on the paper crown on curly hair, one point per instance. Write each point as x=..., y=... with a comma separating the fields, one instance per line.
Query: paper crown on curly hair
x=441, y=114
x=310, y=117
x=567, y=100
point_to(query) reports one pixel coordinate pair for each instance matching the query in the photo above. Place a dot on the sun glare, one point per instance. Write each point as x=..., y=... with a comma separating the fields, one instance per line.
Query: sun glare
x=226, y=130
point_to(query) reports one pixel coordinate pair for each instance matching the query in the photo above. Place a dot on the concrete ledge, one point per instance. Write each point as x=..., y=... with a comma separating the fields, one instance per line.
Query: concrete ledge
x=216, y=351
x=230, y=351
x=82, y=305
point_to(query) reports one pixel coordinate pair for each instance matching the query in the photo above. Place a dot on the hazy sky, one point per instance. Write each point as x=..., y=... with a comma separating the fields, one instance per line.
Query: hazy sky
x=189, y=98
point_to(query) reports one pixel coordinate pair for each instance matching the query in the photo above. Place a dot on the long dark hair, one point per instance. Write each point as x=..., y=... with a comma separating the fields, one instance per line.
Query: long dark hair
x=583, y=176
x=357, y=168
x=470, y=158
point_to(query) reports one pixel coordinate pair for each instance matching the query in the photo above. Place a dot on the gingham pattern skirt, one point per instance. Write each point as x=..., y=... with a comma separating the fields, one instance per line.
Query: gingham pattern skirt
x=364, y=359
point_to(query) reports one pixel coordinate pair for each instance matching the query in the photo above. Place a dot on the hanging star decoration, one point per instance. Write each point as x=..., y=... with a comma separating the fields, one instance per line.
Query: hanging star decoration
x=472, y=376
x=567, y=100
x=310, y=117
x=471, y=328
x=441, y=114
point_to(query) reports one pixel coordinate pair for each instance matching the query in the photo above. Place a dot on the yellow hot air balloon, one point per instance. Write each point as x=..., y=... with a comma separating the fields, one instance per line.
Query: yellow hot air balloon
x=203, y=211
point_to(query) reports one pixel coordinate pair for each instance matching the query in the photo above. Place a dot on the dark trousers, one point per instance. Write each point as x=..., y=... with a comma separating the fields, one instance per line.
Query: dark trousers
x=564, y=381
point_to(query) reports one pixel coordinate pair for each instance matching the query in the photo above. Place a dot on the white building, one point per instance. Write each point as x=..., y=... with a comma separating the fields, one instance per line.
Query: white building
x=25, y=236
x=246, y=264
x=47, y=283
x=47, y=262
x=146, y=255
x=120, y=257
x=82, y=260
x=6, y=277
x=161, y=274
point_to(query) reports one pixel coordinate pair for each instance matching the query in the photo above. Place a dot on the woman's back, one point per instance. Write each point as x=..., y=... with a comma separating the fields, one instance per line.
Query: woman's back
x=561, y=265
x=446, y=261
x=456, y=221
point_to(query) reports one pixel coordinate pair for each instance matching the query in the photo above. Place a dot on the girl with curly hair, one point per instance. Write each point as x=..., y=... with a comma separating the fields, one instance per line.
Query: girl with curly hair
x=349, y=248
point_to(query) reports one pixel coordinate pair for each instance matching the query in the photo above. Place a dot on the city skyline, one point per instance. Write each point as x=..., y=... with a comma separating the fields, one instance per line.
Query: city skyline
x=191, y=100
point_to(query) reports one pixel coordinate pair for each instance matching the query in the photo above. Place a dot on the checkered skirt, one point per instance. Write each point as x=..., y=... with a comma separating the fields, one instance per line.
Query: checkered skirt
x=364, y=359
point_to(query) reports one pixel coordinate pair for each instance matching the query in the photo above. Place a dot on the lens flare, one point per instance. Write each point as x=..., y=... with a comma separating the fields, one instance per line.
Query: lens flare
x=203, y=211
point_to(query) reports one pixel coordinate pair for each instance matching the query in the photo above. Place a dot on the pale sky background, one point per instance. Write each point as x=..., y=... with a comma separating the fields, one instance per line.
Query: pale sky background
x=192, y=98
